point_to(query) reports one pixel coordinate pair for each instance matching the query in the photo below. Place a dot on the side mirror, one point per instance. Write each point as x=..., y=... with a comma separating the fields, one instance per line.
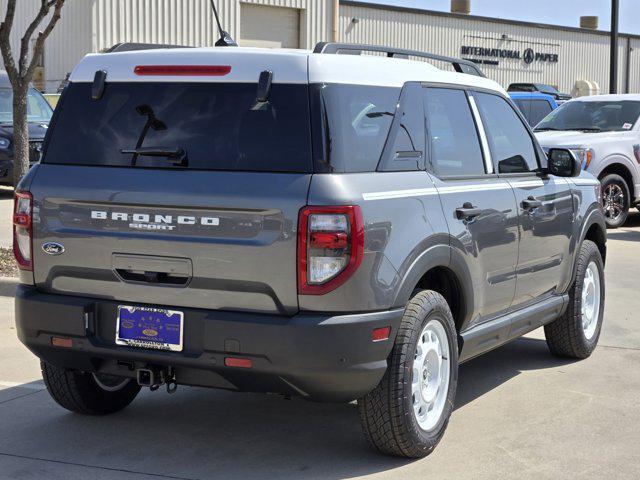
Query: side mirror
x=563, y=163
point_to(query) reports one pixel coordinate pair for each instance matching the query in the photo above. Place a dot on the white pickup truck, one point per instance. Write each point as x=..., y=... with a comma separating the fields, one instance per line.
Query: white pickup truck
x=604, y=132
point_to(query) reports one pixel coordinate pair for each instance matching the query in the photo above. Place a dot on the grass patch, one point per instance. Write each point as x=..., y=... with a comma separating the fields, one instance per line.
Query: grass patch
x=8, y=267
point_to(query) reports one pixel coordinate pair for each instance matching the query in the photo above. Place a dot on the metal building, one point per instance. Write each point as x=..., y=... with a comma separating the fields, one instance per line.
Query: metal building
x=509, y=51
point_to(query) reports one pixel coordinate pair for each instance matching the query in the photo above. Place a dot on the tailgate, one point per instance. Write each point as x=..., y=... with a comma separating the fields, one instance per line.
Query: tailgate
x=203, y=239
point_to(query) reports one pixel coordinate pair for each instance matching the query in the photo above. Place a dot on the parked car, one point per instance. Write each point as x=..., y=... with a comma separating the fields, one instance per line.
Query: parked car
x=541, y=88
x=604, y=131
x=534, y=106
x=38, y=115
x=334, y=227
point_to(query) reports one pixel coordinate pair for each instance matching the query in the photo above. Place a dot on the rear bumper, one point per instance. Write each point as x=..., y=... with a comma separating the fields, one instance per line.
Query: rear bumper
x=330, y=358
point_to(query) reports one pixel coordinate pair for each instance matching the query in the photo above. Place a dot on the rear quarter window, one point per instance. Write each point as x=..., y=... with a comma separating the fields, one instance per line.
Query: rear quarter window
x=354, y=125
x=218, y=126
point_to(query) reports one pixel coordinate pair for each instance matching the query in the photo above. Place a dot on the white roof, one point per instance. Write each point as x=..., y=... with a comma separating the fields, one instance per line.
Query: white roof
x=288, y=66
x=609, y=98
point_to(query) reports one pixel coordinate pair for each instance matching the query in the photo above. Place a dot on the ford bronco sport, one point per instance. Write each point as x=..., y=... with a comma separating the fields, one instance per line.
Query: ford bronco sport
x=335, y=227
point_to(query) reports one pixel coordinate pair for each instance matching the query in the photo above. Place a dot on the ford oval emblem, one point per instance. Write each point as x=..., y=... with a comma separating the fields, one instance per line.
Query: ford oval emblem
x=53, y=248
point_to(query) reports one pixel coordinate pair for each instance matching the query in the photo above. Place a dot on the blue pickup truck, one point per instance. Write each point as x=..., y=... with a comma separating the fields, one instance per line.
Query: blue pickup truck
x=534, y=106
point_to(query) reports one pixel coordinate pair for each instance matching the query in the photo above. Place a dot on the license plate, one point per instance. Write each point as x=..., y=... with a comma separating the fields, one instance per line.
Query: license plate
x=148, y=327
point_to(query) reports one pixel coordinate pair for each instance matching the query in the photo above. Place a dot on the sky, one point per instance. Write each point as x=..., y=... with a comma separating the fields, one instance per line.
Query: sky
x=556, y=12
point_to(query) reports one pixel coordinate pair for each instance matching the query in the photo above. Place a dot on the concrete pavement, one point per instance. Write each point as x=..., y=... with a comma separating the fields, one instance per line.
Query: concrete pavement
x=520, y=414
x=6, y=211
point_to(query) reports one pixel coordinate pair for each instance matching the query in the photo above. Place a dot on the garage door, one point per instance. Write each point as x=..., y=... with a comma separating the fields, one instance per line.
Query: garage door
x=270, y=27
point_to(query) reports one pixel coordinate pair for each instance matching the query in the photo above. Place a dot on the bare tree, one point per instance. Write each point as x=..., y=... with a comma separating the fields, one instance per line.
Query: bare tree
x=20, y=75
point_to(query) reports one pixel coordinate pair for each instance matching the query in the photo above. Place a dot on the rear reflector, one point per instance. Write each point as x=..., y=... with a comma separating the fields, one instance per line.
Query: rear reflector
x=61, y=342
x=331, y=240
x=380, y=334
x=183, y=70
x=238, y=362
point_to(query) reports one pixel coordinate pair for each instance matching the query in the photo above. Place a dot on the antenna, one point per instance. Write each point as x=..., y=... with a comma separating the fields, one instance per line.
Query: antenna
x=225, y=39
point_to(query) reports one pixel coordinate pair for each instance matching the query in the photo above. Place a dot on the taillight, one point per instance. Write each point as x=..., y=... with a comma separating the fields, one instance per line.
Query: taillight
x=330, y=247
x=22, y=228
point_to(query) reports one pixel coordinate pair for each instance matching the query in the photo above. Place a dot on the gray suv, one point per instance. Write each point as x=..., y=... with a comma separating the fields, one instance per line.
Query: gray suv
x=335, y=227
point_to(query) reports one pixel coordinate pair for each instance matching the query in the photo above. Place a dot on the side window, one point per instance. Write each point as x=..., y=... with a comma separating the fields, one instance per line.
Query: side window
x=539, y=110
x=405, y=147
x=510, y=143
x=455, y=147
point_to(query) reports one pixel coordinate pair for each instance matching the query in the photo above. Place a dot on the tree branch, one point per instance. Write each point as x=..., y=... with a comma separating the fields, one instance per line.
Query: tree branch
x=5, y=43
x=42, y=36
x=26, y=38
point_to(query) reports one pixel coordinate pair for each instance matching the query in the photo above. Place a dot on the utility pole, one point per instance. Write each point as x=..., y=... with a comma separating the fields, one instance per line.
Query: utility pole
x=613, y=74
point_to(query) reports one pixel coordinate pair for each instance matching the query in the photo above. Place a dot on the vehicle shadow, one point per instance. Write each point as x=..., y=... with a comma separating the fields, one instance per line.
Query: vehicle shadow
x=6, y=192
x=8, y=287
x=624, y=233
x=489, y=371
x=201, y=433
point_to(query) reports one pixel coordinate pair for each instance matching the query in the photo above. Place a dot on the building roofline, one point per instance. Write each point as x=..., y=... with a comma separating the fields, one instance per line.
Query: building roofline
x=503, y=21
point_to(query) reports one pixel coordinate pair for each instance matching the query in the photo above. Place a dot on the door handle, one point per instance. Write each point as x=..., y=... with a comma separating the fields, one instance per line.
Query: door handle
x=467, y=211
x=531, y=203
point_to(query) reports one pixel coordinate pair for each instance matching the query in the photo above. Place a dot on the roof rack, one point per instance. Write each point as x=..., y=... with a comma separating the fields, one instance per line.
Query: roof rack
x=459, y=65
x=132, y=46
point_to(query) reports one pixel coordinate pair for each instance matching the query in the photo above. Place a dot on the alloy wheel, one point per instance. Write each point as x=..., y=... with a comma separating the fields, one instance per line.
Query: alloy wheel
x=613, y=201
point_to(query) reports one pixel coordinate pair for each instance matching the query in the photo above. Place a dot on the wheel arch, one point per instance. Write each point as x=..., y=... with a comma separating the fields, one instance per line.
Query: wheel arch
x=440, y=269
x=594, y=228
x=598, y=235
x=623, y=167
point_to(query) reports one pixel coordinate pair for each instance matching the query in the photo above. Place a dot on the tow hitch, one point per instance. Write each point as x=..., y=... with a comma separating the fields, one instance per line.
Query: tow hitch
x=155, y=377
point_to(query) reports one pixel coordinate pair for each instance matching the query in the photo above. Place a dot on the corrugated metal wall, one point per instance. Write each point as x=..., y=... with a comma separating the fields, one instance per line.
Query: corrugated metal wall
x=92, y=25
x=634, y=65
x=191, y=22
x=581, y=55
x=68, y=43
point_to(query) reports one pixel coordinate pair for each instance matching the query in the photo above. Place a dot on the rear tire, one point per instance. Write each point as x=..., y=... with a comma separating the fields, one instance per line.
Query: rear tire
x=86, y=393
x=391, y=414
x=616, y=198
x=575, y=334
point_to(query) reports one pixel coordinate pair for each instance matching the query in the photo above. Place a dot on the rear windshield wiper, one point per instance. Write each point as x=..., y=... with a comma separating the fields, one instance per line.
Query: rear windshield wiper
x=177, y=155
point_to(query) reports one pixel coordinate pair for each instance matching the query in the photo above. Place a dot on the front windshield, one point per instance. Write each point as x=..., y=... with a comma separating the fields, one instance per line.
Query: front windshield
x=38, y=109
x=603, y=116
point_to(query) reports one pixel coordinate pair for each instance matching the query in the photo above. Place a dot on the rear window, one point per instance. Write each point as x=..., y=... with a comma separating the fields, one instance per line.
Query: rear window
x=202, y=126
x=521, y=87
